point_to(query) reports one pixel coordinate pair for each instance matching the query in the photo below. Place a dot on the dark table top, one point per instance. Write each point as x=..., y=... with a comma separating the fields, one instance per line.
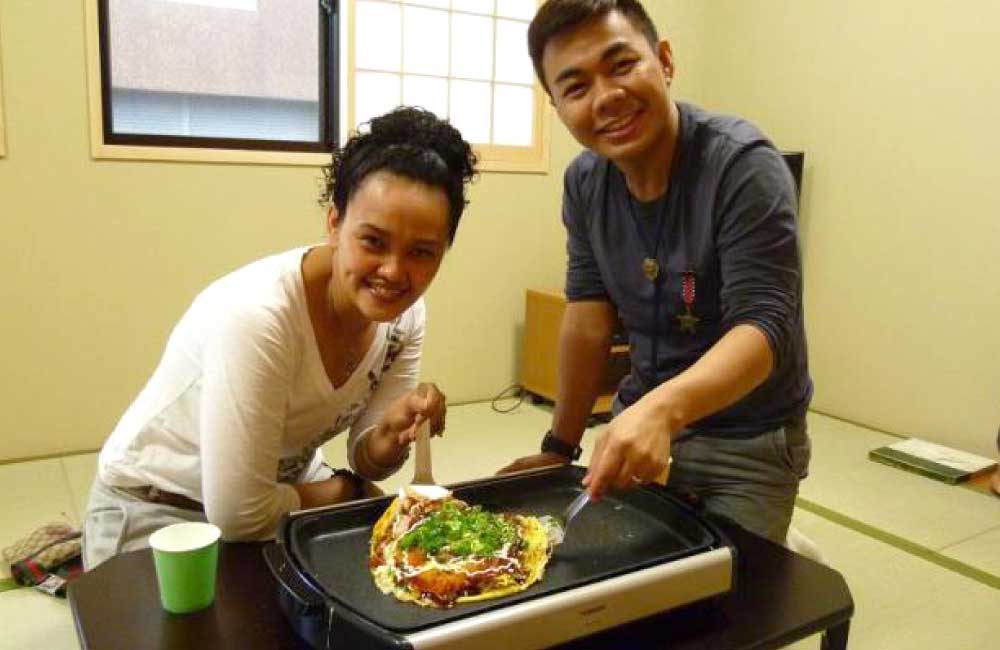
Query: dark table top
x=779, y=597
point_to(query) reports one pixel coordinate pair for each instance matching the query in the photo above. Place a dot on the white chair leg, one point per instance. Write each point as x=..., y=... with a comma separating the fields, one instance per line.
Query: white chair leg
x=797, y=542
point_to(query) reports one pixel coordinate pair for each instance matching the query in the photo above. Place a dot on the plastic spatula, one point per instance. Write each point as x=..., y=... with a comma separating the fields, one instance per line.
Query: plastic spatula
x=557, y=526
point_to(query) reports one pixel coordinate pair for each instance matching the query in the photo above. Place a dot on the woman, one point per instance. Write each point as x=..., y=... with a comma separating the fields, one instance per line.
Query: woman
x=278, y=357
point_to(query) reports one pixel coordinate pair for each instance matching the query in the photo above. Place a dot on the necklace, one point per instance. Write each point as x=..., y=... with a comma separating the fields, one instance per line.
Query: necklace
x=349, y=355
x=352, y=362
x=351, y=348
x=650, y=263
x=651, y=267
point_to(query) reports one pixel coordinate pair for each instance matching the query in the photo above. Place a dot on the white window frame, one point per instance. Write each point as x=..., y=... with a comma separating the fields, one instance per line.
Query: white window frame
x=224, y=4
x=101, y=150
x=492, y=157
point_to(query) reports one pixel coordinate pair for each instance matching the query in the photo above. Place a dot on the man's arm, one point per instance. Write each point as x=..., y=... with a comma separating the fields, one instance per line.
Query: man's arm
x=739, y=362
x=760, y=295
x=584, y=343
x=588, y=322
x=635, y=447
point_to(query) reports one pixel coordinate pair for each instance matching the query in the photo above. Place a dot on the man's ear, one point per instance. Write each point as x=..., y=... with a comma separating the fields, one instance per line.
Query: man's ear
x=666, y=57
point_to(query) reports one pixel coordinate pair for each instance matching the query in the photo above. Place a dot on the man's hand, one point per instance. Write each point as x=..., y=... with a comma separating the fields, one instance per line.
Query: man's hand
x=543, y=459
x=633, y=449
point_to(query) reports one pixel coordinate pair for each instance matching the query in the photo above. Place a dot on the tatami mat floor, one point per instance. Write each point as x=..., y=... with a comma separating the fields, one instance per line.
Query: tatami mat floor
x=922, y=558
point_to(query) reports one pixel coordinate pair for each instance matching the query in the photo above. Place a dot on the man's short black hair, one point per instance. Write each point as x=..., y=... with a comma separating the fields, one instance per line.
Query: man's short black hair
x=557, y=16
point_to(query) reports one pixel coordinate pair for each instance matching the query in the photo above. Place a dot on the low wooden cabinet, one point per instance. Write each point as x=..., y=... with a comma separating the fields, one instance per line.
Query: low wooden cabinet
x=543, y=312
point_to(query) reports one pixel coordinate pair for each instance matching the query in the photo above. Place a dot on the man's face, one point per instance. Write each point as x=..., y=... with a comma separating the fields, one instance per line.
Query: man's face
x=610, y=87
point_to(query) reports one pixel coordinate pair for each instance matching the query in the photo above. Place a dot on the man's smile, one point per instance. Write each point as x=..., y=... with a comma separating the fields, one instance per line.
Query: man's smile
x=621, y=128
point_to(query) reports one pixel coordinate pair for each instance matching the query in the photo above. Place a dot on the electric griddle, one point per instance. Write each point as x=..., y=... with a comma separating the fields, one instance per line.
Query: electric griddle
x=633, y=554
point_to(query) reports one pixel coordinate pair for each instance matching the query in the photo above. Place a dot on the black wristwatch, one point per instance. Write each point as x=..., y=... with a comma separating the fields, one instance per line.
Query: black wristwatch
x=550, y=443
x=357, y=483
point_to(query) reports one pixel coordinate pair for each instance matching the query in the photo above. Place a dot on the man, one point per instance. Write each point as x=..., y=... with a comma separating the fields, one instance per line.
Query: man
x=681, y=223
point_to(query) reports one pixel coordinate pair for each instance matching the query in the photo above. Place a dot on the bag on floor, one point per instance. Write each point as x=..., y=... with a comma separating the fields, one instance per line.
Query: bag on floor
x=47, y=559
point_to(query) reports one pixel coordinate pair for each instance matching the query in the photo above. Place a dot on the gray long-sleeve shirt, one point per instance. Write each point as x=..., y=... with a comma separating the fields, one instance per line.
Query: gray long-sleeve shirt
x=729, y=225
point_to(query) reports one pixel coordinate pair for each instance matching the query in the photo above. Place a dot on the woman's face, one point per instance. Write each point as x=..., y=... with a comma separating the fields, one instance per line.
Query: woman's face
x=389, y=244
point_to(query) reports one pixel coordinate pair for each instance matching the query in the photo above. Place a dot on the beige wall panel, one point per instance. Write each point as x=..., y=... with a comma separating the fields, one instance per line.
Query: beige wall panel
x=510, y=239
x=683, y=24
x=99, y=258
x=894, y=103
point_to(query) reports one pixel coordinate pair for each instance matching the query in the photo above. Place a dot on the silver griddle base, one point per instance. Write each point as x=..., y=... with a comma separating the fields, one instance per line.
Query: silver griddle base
x=571, y=614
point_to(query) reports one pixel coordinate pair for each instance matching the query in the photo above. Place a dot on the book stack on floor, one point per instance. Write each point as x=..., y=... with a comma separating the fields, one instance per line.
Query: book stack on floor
x=933, y=461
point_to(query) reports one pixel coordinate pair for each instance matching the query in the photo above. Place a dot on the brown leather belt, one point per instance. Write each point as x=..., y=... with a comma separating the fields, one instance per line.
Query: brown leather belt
x=153, y=494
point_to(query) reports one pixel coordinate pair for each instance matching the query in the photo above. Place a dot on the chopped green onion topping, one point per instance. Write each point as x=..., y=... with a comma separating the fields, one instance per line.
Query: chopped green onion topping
x=460, y=531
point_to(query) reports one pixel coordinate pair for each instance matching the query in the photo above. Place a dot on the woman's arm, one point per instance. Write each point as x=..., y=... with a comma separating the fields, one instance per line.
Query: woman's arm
x=246, y=375
x=379, y=439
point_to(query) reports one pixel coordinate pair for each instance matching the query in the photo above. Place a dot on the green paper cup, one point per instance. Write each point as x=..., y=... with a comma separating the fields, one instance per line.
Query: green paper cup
x=186, y=556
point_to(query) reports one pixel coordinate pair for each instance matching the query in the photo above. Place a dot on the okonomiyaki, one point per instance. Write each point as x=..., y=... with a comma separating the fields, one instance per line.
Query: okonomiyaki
x=434, y=550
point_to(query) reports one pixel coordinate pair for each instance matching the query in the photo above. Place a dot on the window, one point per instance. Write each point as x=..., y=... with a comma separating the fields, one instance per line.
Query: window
x=223, y=79
x=465, y=60
x=262, y=80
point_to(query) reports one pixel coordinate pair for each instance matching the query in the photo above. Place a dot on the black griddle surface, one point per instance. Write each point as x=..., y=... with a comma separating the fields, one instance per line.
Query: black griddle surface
x=624, y=532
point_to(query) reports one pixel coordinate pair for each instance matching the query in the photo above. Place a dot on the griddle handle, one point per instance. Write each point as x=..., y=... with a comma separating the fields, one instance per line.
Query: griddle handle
x=324, y=624
x=307, y=601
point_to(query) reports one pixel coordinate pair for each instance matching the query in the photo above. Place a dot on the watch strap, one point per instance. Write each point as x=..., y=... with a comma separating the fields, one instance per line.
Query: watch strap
x=553, y=444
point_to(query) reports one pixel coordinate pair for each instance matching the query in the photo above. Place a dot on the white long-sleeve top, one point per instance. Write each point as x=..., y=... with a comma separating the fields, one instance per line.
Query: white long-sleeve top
x=240, y=403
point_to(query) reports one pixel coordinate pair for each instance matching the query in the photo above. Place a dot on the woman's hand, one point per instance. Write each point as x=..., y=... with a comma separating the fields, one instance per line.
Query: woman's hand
x=409, y=411
x=399, y=424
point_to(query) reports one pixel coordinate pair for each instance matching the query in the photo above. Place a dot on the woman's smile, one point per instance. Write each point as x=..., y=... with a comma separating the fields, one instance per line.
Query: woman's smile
x=385, y=292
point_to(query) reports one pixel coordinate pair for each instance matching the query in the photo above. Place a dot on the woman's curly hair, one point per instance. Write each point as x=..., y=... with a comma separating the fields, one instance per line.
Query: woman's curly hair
x=411, y=142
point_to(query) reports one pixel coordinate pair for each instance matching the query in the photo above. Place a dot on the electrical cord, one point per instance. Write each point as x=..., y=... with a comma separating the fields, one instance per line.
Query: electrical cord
x=514, y=391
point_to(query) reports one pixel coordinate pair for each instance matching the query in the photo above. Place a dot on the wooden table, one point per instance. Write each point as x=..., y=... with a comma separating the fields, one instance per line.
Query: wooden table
x=780, y=597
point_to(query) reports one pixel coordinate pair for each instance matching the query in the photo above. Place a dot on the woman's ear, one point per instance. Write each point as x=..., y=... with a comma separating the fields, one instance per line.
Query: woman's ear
x=332, y=224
